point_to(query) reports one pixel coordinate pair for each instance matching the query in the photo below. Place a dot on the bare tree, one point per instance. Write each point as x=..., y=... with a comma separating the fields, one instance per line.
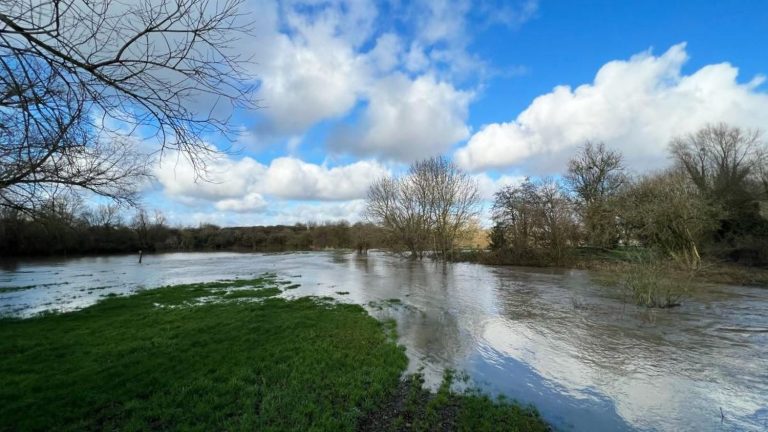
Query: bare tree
x=668, y=212
x=449, y=198
x=105, y=216
x=595, y=176
x=727, y=166
x=534, y=220
x=141, y=225
x=721, y=160
x=393, y=204
x=426, y=209
x=514, y=215
x=81, y=83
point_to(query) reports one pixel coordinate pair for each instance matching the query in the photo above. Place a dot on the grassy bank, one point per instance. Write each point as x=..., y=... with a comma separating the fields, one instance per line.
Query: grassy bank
x=218, y=356
x=619, y=261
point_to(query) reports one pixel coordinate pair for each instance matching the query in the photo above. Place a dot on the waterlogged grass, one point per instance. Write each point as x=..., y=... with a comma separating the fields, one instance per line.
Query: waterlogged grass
x=650, y=285
x=415, y=409
x=16, y=288
x=26, y=287
x=163, y=359
x=253, y=293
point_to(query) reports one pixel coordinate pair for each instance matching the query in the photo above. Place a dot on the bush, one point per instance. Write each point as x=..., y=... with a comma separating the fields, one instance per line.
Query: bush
x=651, y=284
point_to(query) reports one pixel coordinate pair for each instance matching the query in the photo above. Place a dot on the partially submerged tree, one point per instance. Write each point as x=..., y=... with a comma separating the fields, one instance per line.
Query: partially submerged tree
x=666, y=211
x=81, y=83
x=534, y=222
x=596, y=176
x=428, y=208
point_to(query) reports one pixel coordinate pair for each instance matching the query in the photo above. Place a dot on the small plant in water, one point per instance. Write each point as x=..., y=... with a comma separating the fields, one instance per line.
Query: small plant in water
x=651, y=284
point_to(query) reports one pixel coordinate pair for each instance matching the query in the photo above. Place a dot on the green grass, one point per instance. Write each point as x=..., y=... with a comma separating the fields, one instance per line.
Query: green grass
x=253, y=293
x=165, y=359
x=416, y=409
x=651, y=285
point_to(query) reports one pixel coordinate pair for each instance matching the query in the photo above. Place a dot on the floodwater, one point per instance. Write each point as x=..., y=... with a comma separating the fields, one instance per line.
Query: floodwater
x=553, y=338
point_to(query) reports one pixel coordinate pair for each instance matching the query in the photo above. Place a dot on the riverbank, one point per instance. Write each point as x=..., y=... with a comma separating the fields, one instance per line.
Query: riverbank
x=611, y=264
x=224, y=356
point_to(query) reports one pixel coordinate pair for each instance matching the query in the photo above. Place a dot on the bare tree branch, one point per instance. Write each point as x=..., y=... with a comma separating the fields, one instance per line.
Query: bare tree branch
x=78, y=78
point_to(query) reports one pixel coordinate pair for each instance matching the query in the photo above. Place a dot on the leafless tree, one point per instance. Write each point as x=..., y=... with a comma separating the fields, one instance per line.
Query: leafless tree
x=449, y=198
x=141, y=225
x=668, y=212
x=83, y=83
x=595, y=176
x=426, y=209
x=728, y=167
x=393, y=204
x=515, y=211
x=721, y=160
x=534, y=220
x=104, y=216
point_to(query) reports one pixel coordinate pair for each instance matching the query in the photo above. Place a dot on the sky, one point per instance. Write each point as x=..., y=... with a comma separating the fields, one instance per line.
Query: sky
x=350, y=91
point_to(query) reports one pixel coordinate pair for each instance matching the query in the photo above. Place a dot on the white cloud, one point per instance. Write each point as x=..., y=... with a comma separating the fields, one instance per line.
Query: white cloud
x=319, y=61
x=303, y=83
x=241, y=185
x=407, y=119
x=225, y=179
x=635, y=106
x=250, y=203
x=295, y=179
x=385, y=55
x=281, y=213
x=350, y=211
x=488, y=186
x=511, y=15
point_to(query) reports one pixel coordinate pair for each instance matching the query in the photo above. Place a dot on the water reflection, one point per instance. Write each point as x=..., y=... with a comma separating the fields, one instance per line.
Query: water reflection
x=548, y=337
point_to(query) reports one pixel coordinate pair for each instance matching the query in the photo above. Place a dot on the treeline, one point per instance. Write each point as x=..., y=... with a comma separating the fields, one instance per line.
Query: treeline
x=64, y=228
x=712, y=202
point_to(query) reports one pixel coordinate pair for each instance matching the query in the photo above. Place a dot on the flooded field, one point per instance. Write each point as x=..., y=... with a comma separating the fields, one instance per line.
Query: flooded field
x=553, y=338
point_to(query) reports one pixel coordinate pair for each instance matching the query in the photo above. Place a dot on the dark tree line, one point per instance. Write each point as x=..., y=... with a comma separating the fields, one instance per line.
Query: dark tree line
x=712, y=201
x=66, y=228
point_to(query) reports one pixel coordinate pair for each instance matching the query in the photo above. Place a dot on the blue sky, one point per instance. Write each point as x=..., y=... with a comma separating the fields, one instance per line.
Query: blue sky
x=352, y=90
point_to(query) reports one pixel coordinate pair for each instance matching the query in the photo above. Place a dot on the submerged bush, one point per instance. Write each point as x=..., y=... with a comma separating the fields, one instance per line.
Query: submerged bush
x=651, y=284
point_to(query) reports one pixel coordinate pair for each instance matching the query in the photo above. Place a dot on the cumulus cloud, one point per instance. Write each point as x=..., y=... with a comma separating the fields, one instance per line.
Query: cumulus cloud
x=634, y=105
x=323, y=61
x=241, y=185
x=250, y=203
x=281, y=213
x=487, y=186
x=407, y=119
x=292, y=178
x=303, y=83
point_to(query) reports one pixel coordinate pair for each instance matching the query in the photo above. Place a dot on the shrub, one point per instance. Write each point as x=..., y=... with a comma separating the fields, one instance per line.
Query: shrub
x=651, y=284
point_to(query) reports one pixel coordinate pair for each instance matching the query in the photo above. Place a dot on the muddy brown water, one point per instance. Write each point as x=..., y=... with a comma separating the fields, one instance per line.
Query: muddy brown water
x=552, y=338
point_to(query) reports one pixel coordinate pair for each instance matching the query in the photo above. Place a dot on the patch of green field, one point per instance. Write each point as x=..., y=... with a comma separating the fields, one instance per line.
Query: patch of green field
x=133, y=363
x=253, y=293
